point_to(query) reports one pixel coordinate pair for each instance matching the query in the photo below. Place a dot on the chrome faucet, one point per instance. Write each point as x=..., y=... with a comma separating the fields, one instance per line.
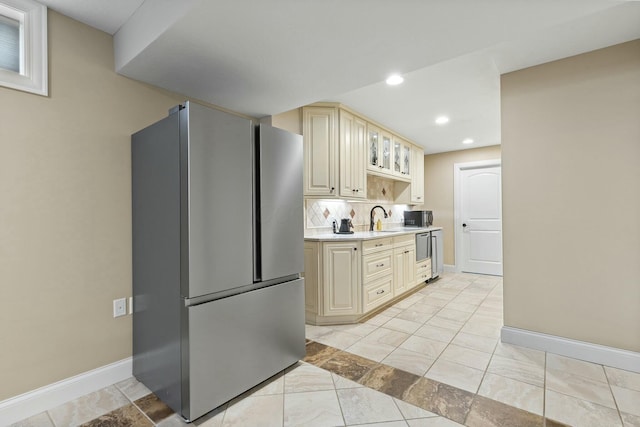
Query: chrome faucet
x=371, y=216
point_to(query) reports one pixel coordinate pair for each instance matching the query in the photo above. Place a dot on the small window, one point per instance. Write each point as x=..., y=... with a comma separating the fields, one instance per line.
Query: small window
x=23, y=46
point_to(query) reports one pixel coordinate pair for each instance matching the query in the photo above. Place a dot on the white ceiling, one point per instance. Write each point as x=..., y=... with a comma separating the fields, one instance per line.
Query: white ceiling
x=263, y=57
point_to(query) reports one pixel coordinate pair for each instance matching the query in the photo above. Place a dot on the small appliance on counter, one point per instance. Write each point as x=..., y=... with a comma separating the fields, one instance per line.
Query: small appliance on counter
x=345, y=226
x=418, y=218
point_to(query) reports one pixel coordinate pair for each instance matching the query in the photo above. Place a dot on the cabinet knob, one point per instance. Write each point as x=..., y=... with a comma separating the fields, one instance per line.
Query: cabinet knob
x=332, y=189
x=355, y=249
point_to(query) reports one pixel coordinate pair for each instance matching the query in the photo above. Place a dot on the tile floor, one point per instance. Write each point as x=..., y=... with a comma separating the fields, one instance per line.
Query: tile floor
x=432, y=359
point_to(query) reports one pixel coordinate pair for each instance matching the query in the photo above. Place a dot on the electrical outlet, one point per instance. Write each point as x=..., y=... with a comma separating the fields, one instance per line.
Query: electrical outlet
x=119, y=307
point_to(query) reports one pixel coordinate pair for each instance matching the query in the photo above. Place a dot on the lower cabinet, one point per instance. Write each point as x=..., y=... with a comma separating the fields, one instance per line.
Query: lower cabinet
x=423, y=270
x=345, y=281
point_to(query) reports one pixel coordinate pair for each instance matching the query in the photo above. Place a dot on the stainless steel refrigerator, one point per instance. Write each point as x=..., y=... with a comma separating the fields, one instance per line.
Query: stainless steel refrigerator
x=217, y=256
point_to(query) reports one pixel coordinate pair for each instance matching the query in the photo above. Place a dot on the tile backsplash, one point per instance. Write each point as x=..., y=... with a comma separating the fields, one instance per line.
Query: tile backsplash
x=320, y=213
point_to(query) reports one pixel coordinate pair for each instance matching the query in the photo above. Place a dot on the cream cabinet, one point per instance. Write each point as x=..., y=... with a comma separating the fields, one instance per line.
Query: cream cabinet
x=377, y=273
x=404, y=264
x=341, y=278
x=417, y=175
x=353, y=170
x=320, y=136
x=379, y=149
x=423, y=271
x=401, y=158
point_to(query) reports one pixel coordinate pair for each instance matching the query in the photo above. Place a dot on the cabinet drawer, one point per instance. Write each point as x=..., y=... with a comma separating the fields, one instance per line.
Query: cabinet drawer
x=404, y=239
x=376, y=265
x=376, y=245
x=423, y=275
x=425, y=263
x=377, y=293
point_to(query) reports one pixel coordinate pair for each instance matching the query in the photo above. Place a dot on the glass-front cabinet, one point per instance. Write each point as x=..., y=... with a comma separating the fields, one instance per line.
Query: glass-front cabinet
x=379, y=148
x=401, y=158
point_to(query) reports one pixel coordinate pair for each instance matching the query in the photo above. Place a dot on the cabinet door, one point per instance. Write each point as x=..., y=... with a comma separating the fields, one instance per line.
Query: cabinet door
x=417, y=177
x=410, y=266
x=320, y=151
x=310, y=274
x=352, y=156
x=341, y=278
x=374, y=141
x=399, y=281
x=386, y=151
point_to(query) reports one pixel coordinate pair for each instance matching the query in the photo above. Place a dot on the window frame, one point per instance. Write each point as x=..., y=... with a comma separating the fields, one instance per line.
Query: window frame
x=33, y=76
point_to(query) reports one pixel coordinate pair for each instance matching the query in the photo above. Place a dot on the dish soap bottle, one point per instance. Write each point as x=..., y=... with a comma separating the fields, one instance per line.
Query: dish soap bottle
x=379, y=225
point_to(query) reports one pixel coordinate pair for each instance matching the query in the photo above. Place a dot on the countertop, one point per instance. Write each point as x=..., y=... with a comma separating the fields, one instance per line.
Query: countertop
x=367, y=235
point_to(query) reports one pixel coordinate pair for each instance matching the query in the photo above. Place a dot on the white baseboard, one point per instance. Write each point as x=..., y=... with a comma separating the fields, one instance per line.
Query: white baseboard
x=609, y=356
x=448, y=268
x=36, y=401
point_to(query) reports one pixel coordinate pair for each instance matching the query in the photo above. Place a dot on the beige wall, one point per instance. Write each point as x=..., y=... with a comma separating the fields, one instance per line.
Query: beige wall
x=438, y=189
x=571, y=197
x=65, y=211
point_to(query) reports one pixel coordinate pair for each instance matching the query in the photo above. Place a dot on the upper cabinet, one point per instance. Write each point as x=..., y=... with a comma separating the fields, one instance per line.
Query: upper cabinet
x=353, y=171
x=341, y=148
x=320, y=135
x=379, y=150
x=401, y=159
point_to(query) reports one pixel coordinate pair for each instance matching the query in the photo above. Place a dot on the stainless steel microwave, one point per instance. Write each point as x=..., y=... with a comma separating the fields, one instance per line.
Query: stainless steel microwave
x=418, y=218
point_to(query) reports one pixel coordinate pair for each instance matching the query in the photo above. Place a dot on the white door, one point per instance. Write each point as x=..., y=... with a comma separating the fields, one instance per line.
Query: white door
x=480, y=220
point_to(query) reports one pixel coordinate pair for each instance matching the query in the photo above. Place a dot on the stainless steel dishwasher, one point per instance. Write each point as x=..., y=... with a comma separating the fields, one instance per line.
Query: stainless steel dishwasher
x=437, y=254
x=423, y=246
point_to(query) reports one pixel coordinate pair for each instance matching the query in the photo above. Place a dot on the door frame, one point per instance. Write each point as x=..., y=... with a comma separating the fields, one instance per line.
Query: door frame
x=457, y=201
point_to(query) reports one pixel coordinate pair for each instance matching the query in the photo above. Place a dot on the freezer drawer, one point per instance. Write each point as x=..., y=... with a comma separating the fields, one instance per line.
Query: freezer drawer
x=237, y=342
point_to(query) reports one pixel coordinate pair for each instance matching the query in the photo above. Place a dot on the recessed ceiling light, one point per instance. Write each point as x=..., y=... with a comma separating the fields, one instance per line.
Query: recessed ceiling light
x=442, y=120
x=394, y=79
x=467, y=141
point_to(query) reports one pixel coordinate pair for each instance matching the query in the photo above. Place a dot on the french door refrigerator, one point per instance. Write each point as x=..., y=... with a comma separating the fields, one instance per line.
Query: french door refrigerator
x=217, y=256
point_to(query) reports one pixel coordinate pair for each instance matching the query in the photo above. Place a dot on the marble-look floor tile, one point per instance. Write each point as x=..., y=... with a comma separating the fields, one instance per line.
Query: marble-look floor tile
x=482, y=329
x=434, y=300
x=410, y=361
x=371, y=350
x=402, y=325
x=548, y=422
x=580, y=387
x=341, y=382
x=511, y=392
x=441, y=322
x=312, y=409
x=384, y=424
x=318, y=353
x=387, y=336
x=628, y=400
x=414, y=316
x=313, y=331
x=475, y=342
x=337, y=339
x=429, y=348
x=518, y=370
x=122, y=417
x=410, y=411
x=433, y=422
x=153, y=407
x=466, y=356
x=359, y=329
x=576, y=367
x=363, y=405
x=255, y=410
x=348, y=365
x=133, y=389
x=307, y=378
x=392, y=311
x=40, y=420
x=388, y=380
x=274, y=385
x=451, y=314
x=462, y=306
x=439, y=398
x=436, y=333
x=464, y=298
x=489, y=413
x=379, y=320
x=88, y=407
x=426, y=308
x=577, y=412
x=211, y=419
x=630, y=420
x=456, y=375
x=517, y=352
x=622, y=378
